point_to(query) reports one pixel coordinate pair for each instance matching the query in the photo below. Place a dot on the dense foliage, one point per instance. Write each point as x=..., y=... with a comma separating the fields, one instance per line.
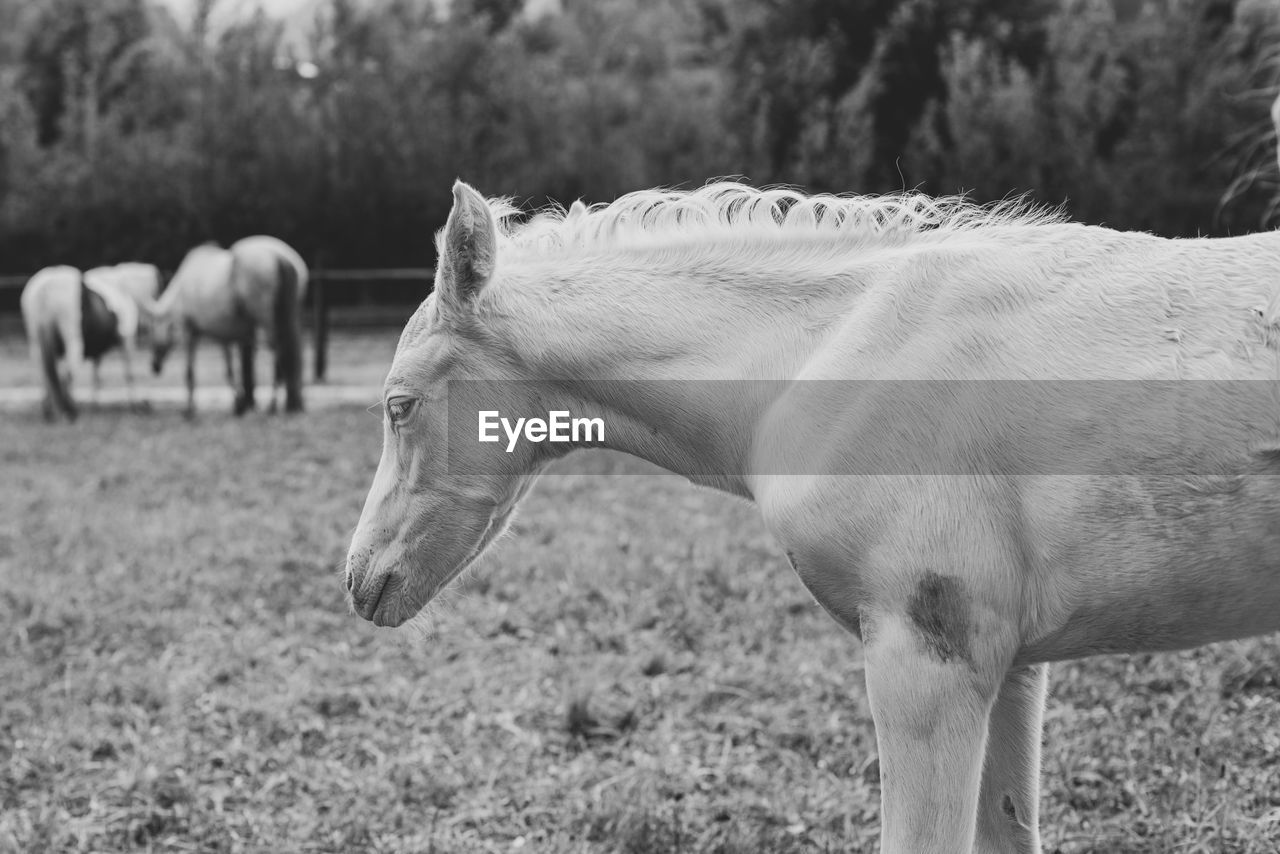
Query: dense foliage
x=128, y=133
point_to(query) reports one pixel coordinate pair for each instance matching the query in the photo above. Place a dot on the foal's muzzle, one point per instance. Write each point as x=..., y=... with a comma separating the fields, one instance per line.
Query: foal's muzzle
x=375, y=593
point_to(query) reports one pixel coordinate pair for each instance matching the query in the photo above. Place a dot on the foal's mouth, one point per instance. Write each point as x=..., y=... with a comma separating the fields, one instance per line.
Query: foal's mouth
x=368, y=606
x=395, y=596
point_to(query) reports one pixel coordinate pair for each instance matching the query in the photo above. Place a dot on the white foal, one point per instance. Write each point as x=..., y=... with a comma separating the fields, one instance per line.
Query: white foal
x=986, y=439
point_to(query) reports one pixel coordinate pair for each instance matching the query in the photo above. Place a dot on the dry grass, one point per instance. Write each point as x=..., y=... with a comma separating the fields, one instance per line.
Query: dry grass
x=635, y=669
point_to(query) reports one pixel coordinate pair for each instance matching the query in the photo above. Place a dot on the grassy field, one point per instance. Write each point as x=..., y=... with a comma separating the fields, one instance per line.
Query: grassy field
x=635, y=669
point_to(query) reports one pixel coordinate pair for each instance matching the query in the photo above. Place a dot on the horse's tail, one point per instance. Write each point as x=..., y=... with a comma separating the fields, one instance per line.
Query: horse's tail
x=287, y=312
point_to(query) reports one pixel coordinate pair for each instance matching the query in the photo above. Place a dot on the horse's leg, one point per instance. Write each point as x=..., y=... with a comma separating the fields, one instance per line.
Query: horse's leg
x=289, y=360
x=126, y=354
x=931, y=689
x=192, y=339
x=47, y=374
x=245, y=401
x=1009, y=805
x=277, y=379
x=97, y=383
x=74, y=344
x=229, y=362
x=36, y=344
x=62, y=400
x=231, y=368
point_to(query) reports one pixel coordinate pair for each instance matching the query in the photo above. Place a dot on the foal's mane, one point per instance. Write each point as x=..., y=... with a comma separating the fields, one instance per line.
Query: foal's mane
x=733, y=211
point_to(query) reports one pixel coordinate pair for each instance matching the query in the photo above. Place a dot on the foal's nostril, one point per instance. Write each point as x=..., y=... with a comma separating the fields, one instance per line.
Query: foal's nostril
x=351, y=580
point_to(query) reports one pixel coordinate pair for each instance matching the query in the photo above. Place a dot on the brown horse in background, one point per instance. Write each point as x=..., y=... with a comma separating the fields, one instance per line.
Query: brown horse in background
x=228, y=295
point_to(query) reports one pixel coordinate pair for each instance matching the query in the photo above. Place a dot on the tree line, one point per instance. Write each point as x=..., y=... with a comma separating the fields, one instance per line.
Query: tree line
x=126, y=133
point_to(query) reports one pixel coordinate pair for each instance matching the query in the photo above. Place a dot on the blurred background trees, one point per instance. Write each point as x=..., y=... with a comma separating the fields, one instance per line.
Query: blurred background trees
x=131, y=130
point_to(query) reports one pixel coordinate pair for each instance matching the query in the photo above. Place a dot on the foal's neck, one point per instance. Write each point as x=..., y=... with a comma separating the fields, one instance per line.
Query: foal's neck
x=680, y=365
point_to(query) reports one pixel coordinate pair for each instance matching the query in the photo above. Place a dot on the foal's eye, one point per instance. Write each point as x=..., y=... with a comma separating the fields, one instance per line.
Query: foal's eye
x=398, y=408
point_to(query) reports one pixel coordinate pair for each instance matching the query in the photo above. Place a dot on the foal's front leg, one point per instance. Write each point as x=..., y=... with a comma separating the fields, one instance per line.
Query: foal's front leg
x=931, y=684
x=1009, y=806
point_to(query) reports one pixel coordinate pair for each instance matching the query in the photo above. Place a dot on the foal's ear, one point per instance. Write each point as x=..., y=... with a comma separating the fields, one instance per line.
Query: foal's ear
x=469, y=246
x=577, y=210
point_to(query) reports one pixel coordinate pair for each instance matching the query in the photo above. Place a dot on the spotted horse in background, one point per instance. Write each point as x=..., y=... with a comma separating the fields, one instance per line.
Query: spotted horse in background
x=74, y=318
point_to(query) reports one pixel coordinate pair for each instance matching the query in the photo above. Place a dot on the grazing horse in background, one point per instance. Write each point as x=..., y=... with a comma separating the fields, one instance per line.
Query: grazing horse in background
x=228, y=295
x=141, y=282
x=848, y=365
x=79, y=317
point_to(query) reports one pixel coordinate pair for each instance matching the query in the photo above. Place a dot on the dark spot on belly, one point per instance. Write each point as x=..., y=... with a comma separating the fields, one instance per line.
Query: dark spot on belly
x=791, y=558
x=940, y=611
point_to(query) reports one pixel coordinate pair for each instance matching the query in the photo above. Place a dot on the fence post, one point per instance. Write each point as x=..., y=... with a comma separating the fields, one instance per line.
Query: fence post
x=320, y=321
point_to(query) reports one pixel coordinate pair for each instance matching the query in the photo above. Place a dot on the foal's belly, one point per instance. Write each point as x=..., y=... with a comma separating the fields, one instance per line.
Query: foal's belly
x=1160, y=564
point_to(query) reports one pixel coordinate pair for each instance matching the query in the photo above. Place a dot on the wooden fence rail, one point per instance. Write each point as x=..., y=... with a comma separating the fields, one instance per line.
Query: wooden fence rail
x=324, y=284
x=325, y=280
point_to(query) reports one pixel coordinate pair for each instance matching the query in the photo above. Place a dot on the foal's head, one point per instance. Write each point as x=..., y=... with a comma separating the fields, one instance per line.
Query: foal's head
x=440, y=496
